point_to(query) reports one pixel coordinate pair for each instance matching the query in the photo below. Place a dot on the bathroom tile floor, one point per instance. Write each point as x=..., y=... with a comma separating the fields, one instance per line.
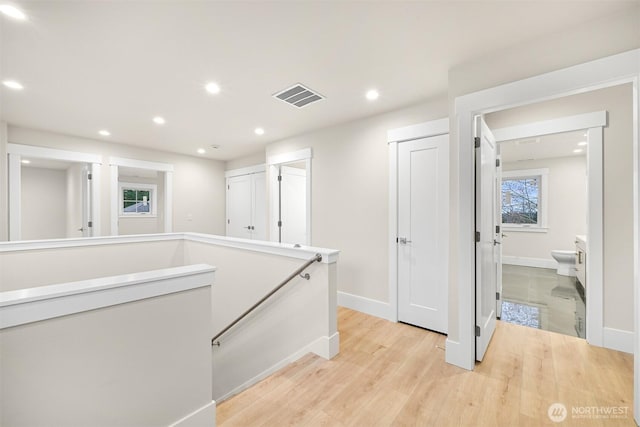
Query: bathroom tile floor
x=539, y=296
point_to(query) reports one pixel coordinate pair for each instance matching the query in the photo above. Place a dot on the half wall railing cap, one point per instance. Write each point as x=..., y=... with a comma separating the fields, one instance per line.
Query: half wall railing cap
x=296, y=273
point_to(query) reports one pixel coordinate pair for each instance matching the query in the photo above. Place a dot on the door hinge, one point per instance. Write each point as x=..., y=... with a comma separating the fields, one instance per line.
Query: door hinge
x=90, y=224
x=228, y=187
x=497, y=229
x=279, y=223
x=89, y=176
x=476, y=142
x=497, y=163
x=477, y=330
x=497, y=296
x=279, y=177
x=477, y=236
x=228, y=221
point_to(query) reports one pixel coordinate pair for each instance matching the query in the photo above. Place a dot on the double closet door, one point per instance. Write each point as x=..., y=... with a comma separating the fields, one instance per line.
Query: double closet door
x=247, y=206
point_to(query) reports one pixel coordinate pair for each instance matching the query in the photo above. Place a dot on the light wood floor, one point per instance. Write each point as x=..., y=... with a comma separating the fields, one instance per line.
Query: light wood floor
x=394, y=374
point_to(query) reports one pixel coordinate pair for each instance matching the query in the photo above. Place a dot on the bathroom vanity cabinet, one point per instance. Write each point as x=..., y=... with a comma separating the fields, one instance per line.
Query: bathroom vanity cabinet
x=581, y=260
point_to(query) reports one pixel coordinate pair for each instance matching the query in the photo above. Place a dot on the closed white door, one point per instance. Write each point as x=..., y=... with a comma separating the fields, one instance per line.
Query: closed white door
x=486, y=239
x=293, y=205
x=422, y=232
x=239, y=202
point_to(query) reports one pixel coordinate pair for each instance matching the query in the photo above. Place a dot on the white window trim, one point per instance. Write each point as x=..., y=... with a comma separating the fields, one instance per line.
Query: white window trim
x=138, y=186
x=543, y=210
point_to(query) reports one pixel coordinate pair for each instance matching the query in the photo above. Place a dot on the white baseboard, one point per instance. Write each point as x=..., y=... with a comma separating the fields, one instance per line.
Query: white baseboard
x=617, y=339
x=205, y=416
x=530, y=262
x=322, y=346
x=326, y=347
x=455, y=356
x=365, y=305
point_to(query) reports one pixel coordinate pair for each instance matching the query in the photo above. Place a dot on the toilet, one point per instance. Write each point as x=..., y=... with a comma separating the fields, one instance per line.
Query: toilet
x=566, y=262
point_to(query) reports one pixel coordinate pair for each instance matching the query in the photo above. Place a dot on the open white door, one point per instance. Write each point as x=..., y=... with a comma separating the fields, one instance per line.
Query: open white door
x=293, y=205
x=486, y=237
x=498, y=237
x=259, y=206
x=423, y=181
x=87, y=225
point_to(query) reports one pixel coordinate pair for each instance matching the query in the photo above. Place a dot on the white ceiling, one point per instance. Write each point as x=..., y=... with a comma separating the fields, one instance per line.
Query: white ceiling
x=89, y=65
x=544, y=147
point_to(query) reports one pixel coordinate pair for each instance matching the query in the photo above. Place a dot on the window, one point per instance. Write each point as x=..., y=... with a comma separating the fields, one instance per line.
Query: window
x=524, y=194
x=137, y=199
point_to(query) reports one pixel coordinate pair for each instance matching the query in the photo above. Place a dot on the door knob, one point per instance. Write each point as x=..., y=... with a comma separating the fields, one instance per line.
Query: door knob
x=495, y=242
x=403, y=240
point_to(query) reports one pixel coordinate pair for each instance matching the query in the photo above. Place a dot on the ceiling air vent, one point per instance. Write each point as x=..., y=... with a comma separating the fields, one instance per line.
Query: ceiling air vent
x=298, y=96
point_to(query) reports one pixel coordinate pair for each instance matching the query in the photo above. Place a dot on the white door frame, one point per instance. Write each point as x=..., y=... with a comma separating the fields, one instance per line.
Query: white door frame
x=601, y=73
x=115, y=163
x=273, y=162
x=395, y=137
x=593, y=123
x=15, y=152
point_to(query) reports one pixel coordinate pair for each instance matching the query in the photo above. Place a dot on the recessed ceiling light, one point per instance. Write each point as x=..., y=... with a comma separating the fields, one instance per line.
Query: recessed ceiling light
x=582, y=143
x=259, y=131
x=104, y=132
x=201, y=151
x=212, y=87
x=12, y=12
x=158, y=120
x=25, y=161
x=12, y=84
x=372, y=95
x=578, y=150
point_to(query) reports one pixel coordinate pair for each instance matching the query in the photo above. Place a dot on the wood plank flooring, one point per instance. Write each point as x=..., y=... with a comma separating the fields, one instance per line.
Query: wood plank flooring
x=391, y=374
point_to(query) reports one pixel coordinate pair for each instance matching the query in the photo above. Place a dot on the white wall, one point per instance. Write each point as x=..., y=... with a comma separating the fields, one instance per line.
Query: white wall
x=17, y=267
x=242, y=162
x=143, y=363
x=576, y=45
x=350, y=194
x=300, y=318
x=618, y=186
x=198, y=183
x=44, y=203
x=566, y=209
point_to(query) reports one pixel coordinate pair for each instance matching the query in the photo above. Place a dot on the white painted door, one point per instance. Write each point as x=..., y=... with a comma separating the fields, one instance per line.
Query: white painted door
x=239, y=206
x=498, y=237
x=486, y=221
x=293, y=205
x=259, y=206
x=422, y=232
x=87, y=228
